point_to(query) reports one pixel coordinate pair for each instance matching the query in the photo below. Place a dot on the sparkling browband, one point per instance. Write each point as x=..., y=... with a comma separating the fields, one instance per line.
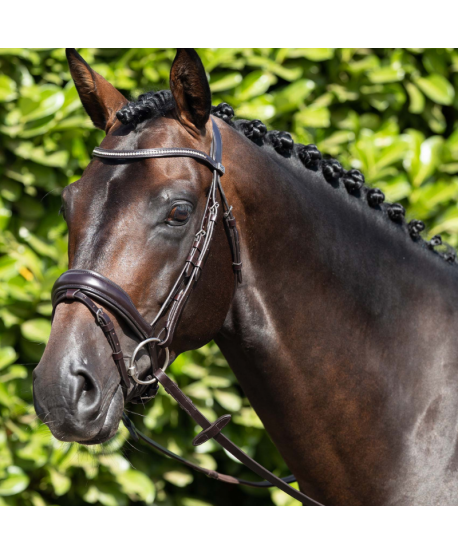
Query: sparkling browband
x=159, y=153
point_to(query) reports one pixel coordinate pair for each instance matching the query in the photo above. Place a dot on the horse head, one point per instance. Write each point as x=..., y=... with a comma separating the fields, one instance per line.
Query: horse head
x=133, y=222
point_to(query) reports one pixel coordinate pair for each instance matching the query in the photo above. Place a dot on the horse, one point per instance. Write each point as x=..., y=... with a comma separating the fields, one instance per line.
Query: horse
x=341, y=332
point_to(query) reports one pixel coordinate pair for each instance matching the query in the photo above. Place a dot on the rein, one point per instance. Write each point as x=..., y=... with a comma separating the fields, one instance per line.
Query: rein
x=88, y=287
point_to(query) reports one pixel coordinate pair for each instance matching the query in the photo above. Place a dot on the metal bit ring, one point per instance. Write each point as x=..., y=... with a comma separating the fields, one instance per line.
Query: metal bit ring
x=132, y=370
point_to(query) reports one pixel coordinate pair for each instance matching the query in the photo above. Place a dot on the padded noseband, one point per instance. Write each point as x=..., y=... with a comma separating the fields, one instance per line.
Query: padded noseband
x=107, y=293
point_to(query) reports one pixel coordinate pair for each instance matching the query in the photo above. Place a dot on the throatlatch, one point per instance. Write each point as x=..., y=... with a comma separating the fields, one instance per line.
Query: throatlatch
x=88, y=287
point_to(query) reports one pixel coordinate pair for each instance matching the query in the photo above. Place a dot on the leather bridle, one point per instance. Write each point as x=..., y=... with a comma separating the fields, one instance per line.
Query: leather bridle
x=92, y=290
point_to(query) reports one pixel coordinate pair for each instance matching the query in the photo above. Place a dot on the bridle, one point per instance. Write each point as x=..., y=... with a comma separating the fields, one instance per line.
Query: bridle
x=91, y=289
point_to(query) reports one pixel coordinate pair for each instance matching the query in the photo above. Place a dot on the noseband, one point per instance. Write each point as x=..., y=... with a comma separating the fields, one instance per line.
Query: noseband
x=91, y=289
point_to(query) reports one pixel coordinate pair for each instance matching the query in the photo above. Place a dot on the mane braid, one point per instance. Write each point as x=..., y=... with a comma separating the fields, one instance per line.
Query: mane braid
x=148, y=106
x=159, y=104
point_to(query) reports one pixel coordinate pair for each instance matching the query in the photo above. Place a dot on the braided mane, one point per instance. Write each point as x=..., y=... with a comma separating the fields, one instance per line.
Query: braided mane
x=158, y=104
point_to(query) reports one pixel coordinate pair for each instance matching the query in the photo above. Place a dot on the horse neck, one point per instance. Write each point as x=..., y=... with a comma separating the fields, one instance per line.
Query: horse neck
x=310, y=334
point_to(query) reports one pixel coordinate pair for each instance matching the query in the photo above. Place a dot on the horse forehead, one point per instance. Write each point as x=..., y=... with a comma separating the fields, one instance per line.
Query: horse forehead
x=156, y=133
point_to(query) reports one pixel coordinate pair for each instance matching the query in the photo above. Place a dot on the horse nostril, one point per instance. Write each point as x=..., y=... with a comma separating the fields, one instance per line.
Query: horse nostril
x=88, y=386
x=87, y=394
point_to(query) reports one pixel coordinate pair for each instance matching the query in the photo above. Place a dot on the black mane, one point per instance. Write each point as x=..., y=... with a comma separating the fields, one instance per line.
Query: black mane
x=158, y=104
x=148, y=106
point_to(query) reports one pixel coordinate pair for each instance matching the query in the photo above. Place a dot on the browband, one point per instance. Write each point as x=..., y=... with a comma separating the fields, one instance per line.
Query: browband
x=160, y=153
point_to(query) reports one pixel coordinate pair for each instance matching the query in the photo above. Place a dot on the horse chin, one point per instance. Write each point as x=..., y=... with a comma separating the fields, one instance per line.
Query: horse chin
x=111, y=423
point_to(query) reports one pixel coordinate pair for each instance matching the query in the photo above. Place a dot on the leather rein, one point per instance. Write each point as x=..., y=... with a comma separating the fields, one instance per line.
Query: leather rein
x=94, y=290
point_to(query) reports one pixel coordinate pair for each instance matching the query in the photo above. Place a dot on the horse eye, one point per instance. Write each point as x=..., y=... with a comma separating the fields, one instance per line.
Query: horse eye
x=180, y=214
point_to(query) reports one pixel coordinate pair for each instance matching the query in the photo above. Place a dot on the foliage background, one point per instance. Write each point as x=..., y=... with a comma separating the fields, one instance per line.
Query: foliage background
x=389, y=112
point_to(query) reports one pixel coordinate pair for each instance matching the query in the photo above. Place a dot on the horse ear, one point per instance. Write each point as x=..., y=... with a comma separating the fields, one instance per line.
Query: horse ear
x=190, y=89
x=100, y=99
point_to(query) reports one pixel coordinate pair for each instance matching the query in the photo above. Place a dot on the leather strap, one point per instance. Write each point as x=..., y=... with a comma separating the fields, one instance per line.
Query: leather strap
x=104, y=291
x=186, y=404
x=105, y=323
x=212, y=431
x=136, y=435
x=160, y=153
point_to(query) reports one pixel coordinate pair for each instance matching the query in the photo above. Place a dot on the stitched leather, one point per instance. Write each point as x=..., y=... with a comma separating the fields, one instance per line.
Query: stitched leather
x=186, y=404
x=160, y=153
x=102, y=290
x=137, y=435
x=104, y=322
x=212, y=431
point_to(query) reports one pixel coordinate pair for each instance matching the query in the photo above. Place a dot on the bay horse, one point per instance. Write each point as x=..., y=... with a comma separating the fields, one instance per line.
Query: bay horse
x=341, y=333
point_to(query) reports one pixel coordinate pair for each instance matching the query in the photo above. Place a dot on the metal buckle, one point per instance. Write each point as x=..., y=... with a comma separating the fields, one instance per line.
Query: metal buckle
x=100, y=321
x=132, y=369
x=201, y=234
x=214, y=209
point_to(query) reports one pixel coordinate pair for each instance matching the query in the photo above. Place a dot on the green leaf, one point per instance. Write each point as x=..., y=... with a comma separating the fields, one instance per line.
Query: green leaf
x=7, y=357
x=5, y=215
x=314, y=54
x=291, y=97
x=334, y=144
x=386, y=75
x=105, y=494
x=314, y=116
x=8, y=89
x=255, y=84
x=437, y=88
x=37, y=330
x=180, y=478
x=15, y=482
x=426, y=200
x=248, y=418
x=14, y=372
x=288, y=74
x=260, y=108
x=424, y=157
x=5, y=398
x=116, y=463
x=396, y=189
x=365, y=64
x=198, y=390
x=447, y=223
x=10, y=190
x=417, y=100
x=226, y=82
x=216, y=382
x=60, y=483
x=28, y=151
x=229, y=400
x=39, y=102
x=137, y=486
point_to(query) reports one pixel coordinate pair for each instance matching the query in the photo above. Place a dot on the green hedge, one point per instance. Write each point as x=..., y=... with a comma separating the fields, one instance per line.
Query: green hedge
x=389, y=112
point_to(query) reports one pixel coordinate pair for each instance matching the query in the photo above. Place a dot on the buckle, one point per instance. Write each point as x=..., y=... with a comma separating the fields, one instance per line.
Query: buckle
x=200, y=235
x=132, y=369
x=99, y=315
